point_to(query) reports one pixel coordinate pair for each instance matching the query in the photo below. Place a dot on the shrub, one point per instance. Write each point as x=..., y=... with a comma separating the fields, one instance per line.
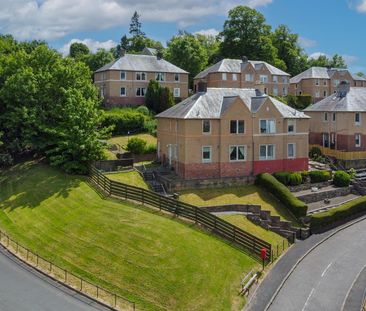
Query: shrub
x=341, y=179
x=338, y=213
x=295, y=179
x=143, y=110
x=281, y=192
x=282, y=177
x=304, y=176
x=150, y=126
x=319, y=176
x=150, y=149
x=123, y=121
x=6, y=160
x=136, y=145
x=315, y=152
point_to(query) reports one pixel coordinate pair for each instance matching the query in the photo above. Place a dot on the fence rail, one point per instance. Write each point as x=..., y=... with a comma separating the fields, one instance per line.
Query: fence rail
x=247, y=241
x=100, y=294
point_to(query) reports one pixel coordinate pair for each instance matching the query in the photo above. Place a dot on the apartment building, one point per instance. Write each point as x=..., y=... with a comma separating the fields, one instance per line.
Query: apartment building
x=232, y=132
x=244, y=73
x=321, y=82
x=124, y=81
x=338, y=125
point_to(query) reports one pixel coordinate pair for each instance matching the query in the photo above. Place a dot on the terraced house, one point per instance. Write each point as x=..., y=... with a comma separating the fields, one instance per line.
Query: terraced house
x=124, y=81
x=338, y=125
x=244, y=73
x=320, y=82
x=232, y=133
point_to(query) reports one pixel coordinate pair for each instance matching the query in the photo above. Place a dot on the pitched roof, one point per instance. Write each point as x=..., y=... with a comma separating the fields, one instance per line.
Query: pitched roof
x=234, y=66
x=149, y=51
x=358, y=78
x=138, y=62
x=320, y=73
x=354, y=101
x=213, y=103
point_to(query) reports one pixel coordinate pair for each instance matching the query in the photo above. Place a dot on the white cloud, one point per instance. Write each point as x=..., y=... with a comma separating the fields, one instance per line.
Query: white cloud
x=358, y=5
x=307, y=43
x=361, y=7
x=207, y=32
x=316, y=55
x=93, y=45
x=52, y=19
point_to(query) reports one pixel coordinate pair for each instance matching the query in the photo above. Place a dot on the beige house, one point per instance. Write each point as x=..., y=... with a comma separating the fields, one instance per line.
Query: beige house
x=338, y=125
x=321, y=82
x=232, y=133
x=124, y=81
x=244, y=73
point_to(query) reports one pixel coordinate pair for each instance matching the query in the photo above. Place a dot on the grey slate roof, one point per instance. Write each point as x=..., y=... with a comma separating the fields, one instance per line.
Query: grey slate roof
x=234, y=66
x=358, y=78
x=149, y=51
x=138, y=62
x=354, y=101
x=321, y=73
x=213, y=103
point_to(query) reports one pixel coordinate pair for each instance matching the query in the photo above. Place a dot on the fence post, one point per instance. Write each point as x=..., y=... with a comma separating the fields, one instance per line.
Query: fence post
x=65, y=276
x=142, y=197
x=126, y=192
x=97, y=291
x=37, y=260
x=81, y=284
x=17, y=248
x=115, y=300
x=159, y=203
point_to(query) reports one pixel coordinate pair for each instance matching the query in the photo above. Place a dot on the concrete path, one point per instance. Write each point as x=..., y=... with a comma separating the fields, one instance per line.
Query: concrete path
x=327, y=278
x=24, y=289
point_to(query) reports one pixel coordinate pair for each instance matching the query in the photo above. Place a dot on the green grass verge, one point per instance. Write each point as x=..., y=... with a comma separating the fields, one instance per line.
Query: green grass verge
x=132, y=178
x=122, y=140
x=157, y=261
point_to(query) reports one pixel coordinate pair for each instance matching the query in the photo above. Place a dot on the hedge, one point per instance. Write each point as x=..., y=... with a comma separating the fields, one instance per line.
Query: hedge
x=319, y=176
x=341, y=179
x=338, y=213
x=282, y=177
x=123, y=121
x=281, y=192
x=295, y=179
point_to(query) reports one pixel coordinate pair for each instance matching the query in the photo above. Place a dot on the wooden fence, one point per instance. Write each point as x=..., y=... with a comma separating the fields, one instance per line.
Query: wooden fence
x=341, y=154
x=109, y=299
x=247, y=241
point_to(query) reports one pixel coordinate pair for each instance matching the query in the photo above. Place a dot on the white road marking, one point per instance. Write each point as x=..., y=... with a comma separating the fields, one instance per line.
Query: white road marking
x=307, y=300
x=326, y=269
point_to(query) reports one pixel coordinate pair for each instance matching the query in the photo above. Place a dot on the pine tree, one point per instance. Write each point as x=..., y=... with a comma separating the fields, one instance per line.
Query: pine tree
x=135, y=25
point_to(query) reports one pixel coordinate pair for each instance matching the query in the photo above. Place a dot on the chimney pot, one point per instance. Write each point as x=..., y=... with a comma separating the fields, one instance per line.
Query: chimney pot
x=122, y=52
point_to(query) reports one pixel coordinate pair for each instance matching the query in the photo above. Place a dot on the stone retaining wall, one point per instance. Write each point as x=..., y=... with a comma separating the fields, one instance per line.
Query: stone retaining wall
x=309, y=185
x=327, y=194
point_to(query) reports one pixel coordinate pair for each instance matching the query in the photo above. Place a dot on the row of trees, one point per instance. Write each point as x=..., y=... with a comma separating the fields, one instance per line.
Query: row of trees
x=48, y=106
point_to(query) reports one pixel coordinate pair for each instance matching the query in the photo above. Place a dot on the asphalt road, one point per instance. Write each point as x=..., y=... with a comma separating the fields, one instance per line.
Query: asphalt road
x=329, y=276
x=24, y=289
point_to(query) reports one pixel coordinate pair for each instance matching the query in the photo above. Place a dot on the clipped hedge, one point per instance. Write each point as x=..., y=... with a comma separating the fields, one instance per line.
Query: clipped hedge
x=123, y=121
x=282, y=177
x=342, y=212
x=319, y=176
x=281, y=192
x=295, y=179
x=341, y=179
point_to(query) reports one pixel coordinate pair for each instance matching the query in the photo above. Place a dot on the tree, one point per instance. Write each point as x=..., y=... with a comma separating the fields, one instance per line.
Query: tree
x=360, y=74
x=78, y=49
x=246, y=33
x=212, y=47
x=337, y=61
x=158, y=98
x=187, y=52
x=135, y=25
x=98, y=59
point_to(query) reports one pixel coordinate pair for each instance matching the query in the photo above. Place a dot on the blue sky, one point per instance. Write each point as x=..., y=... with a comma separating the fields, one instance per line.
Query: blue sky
x=325, y=26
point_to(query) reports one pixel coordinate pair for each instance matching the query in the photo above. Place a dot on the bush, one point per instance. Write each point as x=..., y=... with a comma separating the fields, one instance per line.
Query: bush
x=304, y=176
x=282, y=177
x=150, y=149
x=136, y=145
x=341, y=179
x=123, y=121
x=338, y=213
x=315, y=153
x=143, y=110
x=295, y=179
x=6, y=160
x=319, y=176
x=281, y=192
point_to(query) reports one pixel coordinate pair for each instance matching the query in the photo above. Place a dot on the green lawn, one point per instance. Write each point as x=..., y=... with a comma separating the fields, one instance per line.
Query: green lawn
x=122, y=140
x=236, y=195
x=155, y=260
x=132, y=178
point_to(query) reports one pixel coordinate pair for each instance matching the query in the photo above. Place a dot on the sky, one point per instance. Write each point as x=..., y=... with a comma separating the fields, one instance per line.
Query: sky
x=324, y=26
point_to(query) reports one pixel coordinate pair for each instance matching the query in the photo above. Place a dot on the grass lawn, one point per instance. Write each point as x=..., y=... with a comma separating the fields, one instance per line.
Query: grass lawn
x=155, y=260
x=236, y=195
x=132, y=178
x=122, y=140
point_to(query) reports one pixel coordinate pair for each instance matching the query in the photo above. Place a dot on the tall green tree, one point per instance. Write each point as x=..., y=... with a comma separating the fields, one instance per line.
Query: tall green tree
x=78, y=49
x=188, y=53
x=135, y=25
x=212, y=47
x=158, y=98
x=98, y=59
x=336, y=61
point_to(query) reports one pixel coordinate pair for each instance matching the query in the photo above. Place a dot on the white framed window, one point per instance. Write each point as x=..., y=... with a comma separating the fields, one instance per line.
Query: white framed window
x=263, y=78
x=358, y=140
x=357, y=118
x=176, y=92
x=267, y=152
x=284, y=91
x=206, y=154
x=160, y=76
x=325, y=93
x=333, y=116
x=275, y=79
x=140, y=76
x=275, y=91
x=317, y=82
x=291, y=151
x=206, y=126
x=123, y=91
x=249, y=77
x=237, y=126
x=291, y=126
x=224, y=76
x=267, y=126
x=317, y=94
x=237, y=153
x=140, y=91
x=122, y=75
x=176, y=77
x=325, y=117
x=235, y=77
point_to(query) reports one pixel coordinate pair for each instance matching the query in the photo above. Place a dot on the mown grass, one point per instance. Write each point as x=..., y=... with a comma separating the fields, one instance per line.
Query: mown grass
x=122, y=140
x=132, y=178
x=159, y=262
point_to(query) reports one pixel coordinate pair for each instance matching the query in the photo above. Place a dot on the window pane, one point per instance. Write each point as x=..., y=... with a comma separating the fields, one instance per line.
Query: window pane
x=290, y=151
x=270, y=151
x=272, y=126
x=263, y=151
x=233, y=126
x=263, y=125
x=233, y=153
x=241, y=126
x=206, y=153
x=206, y=126
x=241, y=153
